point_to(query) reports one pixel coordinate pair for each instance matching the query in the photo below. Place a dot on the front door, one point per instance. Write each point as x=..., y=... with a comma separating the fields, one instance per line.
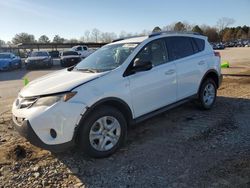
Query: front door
x=155, y=88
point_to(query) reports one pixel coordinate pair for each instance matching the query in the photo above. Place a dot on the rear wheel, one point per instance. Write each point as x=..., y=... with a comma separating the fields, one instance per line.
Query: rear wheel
x=102, y=132
x=207, y=94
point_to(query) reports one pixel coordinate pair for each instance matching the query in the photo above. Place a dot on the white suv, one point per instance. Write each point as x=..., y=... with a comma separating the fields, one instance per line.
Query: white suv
x=127, y=81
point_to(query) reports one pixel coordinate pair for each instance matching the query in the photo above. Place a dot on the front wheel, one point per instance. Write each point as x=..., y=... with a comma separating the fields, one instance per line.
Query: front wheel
x=102, y=132
x=207, y=94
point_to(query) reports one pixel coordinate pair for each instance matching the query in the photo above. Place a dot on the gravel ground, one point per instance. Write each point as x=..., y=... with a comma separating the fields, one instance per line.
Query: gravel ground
x=184, y=147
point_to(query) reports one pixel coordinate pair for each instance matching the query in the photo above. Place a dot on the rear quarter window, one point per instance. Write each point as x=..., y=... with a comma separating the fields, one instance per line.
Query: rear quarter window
x=200, y=44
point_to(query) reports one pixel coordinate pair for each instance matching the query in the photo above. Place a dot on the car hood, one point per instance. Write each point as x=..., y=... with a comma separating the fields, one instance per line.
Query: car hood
x=59, y=81
x=37, y=58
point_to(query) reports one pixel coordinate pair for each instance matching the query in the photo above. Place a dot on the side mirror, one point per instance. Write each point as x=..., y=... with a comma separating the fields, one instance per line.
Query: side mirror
x=140, y=65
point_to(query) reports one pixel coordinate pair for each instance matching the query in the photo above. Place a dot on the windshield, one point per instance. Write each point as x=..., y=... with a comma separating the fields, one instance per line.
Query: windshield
x=107, y=58
x=4, y=56
x=38, y=54
x=69, y=53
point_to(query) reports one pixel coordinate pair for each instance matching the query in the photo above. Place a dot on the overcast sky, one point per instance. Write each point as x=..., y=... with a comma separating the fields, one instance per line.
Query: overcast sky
x=70, y=18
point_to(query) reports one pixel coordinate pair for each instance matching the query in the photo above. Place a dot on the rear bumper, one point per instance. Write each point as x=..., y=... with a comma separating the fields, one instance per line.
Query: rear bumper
x=27, y=132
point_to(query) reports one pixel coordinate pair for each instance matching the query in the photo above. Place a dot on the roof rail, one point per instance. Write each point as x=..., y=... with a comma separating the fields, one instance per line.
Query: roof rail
x=173, y=32
x=123, y=38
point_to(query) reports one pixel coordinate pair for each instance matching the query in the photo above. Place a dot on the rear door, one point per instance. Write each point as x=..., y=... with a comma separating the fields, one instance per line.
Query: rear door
x=190, y=64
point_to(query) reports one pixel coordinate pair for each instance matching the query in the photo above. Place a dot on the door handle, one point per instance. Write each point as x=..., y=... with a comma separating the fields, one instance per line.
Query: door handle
x=169, y=72
x=201, y=63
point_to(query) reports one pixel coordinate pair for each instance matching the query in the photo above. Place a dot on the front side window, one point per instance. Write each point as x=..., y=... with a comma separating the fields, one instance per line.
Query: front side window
x=179, y=47
x=79, y=48
x=155, y=52
x=107, y=58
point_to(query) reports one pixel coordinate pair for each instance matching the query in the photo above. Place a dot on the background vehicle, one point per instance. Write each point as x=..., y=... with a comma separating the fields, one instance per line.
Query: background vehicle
x=69, y=58
x=218, y=46
x=84, y=51
x=125, y=82
x=39, y=59
x=9, y=61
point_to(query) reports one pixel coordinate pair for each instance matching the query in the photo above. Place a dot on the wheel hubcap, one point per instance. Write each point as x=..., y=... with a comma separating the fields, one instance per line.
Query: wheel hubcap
x=105, y=133
x=209, y=94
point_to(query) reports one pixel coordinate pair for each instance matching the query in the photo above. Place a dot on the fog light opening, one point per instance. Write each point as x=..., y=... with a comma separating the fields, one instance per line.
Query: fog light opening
x=53, y=133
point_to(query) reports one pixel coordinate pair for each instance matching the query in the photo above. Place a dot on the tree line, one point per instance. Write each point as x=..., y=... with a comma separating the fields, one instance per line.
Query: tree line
x=222, y=32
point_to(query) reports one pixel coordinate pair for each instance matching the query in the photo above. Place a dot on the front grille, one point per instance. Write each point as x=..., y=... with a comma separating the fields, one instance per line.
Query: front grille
x=25, y=102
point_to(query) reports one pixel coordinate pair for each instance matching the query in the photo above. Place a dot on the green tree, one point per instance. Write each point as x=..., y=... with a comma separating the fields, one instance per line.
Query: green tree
x=58, y=39
x=23, y=38
x=156, y=29
x=179, y=26
x=197, y=29
x=245, y=28
x=44, y=39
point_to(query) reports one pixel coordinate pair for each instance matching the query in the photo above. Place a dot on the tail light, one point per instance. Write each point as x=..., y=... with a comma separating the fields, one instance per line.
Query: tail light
x=217, y=54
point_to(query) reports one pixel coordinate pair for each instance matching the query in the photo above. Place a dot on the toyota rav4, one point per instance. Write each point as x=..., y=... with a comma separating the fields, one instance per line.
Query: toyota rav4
x=127, y=81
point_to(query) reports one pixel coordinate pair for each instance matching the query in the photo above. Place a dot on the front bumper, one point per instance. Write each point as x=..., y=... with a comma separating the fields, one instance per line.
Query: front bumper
x=37, y=63
x=36, y=124
x=27, y=132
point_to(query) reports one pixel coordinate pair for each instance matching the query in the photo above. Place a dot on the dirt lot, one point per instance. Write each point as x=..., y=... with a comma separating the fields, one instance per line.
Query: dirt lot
x=184, y=147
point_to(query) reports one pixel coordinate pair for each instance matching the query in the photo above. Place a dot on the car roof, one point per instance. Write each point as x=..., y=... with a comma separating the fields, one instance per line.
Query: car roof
x=132, y=39
x=139, y=39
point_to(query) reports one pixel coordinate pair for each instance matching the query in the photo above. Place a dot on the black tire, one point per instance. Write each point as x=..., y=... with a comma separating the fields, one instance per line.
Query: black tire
x=202, y=100
x=83, y=140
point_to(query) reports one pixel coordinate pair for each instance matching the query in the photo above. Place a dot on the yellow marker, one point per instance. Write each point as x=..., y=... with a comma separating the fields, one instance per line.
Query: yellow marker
x=26, y=81
x=224, y=64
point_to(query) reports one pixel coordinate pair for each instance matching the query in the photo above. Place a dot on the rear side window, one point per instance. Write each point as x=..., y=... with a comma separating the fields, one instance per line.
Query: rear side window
x=200, y=44
x=179, y=47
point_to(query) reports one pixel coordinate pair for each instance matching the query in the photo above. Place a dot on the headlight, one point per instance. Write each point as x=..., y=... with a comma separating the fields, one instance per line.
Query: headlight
x=26, y=60
x=50, y=100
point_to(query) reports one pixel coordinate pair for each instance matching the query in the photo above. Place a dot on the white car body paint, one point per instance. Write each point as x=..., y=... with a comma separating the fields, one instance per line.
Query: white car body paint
x=143, y=92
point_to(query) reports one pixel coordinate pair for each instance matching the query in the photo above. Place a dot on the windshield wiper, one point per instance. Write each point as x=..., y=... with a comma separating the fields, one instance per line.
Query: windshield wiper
x=87, y=70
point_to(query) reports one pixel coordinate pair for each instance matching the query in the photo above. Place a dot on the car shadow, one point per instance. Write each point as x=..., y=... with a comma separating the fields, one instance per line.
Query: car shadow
x=177, y=146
